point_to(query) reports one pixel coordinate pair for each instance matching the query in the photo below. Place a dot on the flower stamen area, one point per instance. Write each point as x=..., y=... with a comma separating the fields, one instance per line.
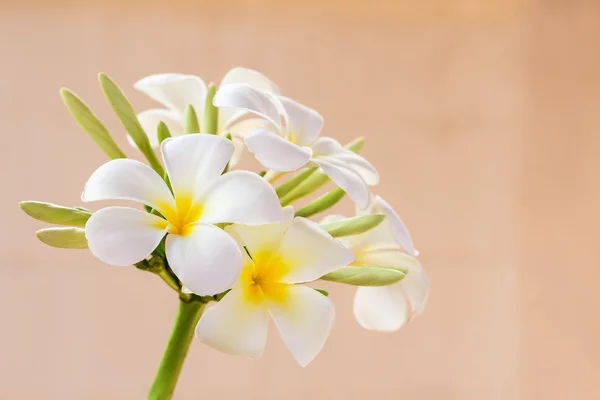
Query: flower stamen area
x=261, y=278
x=185, y=213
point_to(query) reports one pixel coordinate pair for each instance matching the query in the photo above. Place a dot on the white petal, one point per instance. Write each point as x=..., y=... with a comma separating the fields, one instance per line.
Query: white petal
x=207, y=260
x=243, y=124
x=249, y=77
x=240, y=197
x=235, y=326
x=150, y=119
x=175, y=91
x=399, y=229
x=238, y=150
x=326, y=146
x=247, y=98
x=304, y=321
x=309, y=252
x=388, y=308
x=347, y=179
x=194, y=161
x=384, y=309
x=415, y=286
x=125, y=179
x=360, y=165
x=275, y=152
x=262, y=238
x=379, y=237
x=303, y=124
x=122, y=235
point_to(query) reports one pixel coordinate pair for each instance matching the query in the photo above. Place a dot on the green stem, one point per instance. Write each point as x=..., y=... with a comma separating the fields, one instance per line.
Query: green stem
x=181, y=337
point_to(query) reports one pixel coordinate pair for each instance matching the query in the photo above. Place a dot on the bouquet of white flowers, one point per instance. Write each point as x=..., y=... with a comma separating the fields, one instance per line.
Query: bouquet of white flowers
x=227, y=241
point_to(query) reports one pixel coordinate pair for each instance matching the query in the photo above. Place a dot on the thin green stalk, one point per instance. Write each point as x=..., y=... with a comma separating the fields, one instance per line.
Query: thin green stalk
x=181, y=337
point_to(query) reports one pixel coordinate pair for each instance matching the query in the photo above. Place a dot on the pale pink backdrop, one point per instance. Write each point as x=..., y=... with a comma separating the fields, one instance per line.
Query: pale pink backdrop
x=481, y=117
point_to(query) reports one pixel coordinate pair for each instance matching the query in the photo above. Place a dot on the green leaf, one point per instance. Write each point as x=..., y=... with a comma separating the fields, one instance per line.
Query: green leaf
x=353, y=226
x=64, y=237
x=55, y=214
x=321, y=203
x=211, y=113
x=162, y=132
x=88, y=121
x=286, y=187
x=316, y=180
x=365, y=276
x=128, y=118
x=190, y=122
x=323, y=292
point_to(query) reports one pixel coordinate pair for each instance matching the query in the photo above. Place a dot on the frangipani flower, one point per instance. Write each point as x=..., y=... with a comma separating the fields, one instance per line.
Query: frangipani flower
x=205, y=258
x=176, y=91
x=387, y=308
x=276, y=258
x=291, y=141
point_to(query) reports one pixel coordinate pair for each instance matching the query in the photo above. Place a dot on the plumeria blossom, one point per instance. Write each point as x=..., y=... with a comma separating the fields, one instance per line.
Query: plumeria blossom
x=291, y=140
x=387, y=308
x=205, y=258
x=176, y=91
x=277, y=257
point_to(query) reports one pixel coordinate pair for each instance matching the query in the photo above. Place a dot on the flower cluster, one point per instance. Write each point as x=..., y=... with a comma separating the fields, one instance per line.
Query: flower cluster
x=231, y=237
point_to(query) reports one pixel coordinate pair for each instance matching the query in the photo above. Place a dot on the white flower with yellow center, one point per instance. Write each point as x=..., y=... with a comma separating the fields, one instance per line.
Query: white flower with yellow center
x=276, y=258
x=177, y=91
x=291, y=140
x=387, y=308
x=205, y=258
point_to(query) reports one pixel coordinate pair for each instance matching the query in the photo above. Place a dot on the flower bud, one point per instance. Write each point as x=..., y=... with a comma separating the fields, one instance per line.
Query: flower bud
x=321, y=203
x=162, y=132
x=55, y=214
x=86, y=119
x=353, y=226
x=64, y=237
x=190, y=122
x=365, y=276
x=211, y=113
x=128, y=118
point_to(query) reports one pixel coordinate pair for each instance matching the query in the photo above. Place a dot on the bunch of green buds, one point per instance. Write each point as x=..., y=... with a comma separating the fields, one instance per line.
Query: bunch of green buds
x=231, y=239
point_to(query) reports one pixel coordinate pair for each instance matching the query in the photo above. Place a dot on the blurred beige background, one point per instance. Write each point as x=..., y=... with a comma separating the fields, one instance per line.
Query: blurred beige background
x=482, y=118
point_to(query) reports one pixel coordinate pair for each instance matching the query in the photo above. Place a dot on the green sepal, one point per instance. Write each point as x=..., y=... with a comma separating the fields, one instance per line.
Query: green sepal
x=323, y=292
x=162, y=132
x=55, y=214
x=286, y=187
x=156, y=265
x=91, y=125
x=190, y=121
x=63, y=237
x=321, y=203
x=366, y=276
x=211, y=113
x=128, y=118
x=353, y=226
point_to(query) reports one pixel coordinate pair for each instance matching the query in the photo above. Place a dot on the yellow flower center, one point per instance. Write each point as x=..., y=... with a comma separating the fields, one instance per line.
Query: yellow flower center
x=261, y=278
x=293, y=138
x=185, y=213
